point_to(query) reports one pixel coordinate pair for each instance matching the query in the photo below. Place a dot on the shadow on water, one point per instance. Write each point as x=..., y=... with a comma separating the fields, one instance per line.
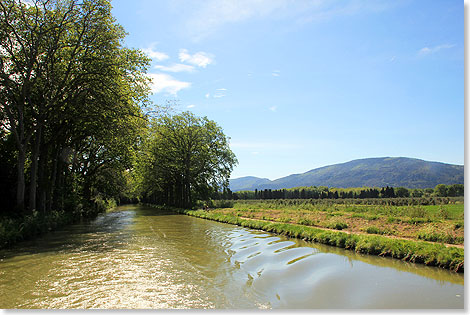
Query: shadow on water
x=107, y=231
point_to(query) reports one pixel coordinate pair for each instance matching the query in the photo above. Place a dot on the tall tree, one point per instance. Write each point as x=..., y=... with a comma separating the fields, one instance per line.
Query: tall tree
x=189, y=157
x=66, y=85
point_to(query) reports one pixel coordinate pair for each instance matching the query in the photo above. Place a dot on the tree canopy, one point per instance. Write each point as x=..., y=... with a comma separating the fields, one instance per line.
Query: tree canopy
x=71, y=97
x=185, y=158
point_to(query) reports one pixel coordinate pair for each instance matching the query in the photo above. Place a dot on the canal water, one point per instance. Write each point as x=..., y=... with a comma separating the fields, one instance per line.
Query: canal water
x=140, y=257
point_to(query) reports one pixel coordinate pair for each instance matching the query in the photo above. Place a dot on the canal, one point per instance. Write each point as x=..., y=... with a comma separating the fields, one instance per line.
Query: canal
x=140, y=257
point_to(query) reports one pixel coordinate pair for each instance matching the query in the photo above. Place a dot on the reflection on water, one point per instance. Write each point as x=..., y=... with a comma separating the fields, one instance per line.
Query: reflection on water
x=138, y=257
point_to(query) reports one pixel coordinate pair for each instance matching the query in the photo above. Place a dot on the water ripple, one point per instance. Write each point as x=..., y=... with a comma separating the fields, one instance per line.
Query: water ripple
x=139, y=258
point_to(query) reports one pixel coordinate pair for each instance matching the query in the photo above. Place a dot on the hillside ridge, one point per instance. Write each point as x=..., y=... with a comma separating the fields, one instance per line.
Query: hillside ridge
x=370, y=172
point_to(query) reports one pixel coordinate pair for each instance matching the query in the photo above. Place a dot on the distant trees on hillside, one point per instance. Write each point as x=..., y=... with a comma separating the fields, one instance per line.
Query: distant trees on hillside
x=323, y=192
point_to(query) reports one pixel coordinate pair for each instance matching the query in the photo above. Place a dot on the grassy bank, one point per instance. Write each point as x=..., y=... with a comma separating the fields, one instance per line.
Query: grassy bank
x=441, y=223
x=407, y=250
x=13, y=230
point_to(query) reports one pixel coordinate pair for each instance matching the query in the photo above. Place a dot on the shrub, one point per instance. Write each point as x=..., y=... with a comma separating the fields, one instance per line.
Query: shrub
x=376, y=230
x=431, y=235
x=458, y=225
x=417, y=212
x=338, y=225
x=304, y=221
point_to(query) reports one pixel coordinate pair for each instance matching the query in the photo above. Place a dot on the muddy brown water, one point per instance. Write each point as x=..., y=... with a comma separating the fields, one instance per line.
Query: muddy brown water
x=140, y=257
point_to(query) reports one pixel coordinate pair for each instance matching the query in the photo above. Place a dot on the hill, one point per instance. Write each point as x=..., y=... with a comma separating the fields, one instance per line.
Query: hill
x=371, y=172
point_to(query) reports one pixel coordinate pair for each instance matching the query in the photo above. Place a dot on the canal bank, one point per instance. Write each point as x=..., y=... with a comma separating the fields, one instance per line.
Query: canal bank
x=430, y=254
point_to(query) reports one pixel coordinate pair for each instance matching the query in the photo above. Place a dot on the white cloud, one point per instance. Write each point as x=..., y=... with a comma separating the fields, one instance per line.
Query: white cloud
x=191, y=106
x=222, y=89
x=177, y=67
x=200, y=59
x=276, y=73
x=273, y=108
x=164, y=83
x=218, y=95
x=156, y=55
x=432, y=50
x=208, y=95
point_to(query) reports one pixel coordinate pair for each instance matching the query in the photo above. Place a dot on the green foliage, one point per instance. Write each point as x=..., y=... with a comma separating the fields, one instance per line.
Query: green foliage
x=418, y=252
x=305, y=221
x=73, y=98
x=323, y=192
x=431, y=235
x=184, y=158
x=337, y=225
x=377, y=230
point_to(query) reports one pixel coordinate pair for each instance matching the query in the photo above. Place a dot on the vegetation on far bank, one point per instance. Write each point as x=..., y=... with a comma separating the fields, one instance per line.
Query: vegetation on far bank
x=442, y=222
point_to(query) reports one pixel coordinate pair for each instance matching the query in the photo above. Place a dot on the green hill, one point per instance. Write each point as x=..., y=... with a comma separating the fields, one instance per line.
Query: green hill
x=371, y=172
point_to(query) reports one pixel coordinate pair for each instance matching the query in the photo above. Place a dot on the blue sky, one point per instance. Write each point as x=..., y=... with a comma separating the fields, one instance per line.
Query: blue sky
x=298, y=85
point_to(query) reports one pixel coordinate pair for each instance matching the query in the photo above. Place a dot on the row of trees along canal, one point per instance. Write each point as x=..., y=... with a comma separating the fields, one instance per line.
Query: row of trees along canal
x=323, y=192
x=76, y=128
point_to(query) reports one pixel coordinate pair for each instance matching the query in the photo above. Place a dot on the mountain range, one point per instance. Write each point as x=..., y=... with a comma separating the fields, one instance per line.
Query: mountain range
x=370, y=172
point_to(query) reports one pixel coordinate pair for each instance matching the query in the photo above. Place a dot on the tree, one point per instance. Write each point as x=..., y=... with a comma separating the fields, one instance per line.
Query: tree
x=440, y=190
x=402, y=192
x=68, y=89
x=188, y=158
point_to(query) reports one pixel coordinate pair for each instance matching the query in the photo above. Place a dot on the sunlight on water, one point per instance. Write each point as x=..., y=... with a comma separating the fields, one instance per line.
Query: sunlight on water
x=137, y=257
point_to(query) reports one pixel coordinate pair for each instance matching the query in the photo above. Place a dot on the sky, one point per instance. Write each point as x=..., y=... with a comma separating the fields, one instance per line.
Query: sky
x=298, y=85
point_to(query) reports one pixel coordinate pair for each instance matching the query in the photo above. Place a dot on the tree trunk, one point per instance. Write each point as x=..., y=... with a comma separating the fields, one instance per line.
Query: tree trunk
x=20, y=188
x=43, y=183
x=34, y=171
x=51, y=192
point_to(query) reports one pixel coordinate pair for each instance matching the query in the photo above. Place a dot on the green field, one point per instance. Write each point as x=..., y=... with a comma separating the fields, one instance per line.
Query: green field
x=430, y=234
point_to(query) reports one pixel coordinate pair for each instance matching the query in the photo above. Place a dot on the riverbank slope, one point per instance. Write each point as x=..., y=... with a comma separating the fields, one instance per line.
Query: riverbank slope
x=431, y=254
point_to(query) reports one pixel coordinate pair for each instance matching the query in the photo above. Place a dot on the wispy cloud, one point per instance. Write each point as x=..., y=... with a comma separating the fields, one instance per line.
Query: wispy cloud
x=276, y=73
x=255, y=146
x=219, y=95
x=155, y=55
x=210, y=15
x=273, y=108
x=435, y=49
x=191, y=106
x=177, y=67
x=200, y=59
x=207, y=17
x=164, y=83
x=221, y=89
x=208, y=95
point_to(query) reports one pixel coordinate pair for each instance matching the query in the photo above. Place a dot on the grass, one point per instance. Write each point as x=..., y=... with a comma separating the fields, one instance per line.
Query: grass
x=404, y=221
x=407, y=250
x=13, y=230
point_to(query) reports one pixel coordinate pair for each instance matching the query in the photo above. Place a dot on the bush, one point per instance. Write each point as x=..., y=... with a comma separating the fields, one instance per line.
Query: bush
x=376, y=230
x=338, y=225
x=304, y=221
x=430, y=235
